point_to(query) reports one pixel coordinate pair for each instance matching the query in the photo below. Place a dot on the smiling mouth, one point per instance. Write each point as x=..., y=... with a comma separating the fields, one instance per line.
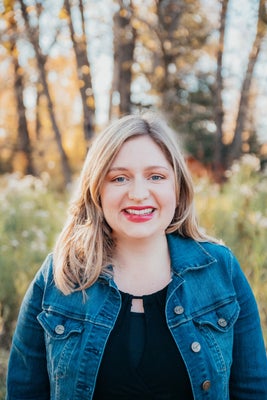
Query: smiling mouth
x=144, y=211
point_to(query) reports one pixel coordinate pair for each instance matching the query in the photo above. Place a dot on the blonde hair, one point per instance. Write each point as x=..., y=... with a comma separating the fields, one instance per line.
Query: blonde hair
x=84, y=247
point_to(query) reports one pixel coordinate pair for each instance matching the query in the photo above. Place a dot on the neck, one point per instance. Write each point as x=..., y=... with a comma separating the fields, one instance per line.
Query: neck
x=142, y=252
x=143, y=266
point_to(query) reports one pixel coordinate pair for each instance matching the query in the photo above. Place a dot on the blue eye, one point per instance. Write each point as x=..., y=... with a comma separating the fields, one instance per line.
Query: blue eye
x=156, y=177
x=119, y=179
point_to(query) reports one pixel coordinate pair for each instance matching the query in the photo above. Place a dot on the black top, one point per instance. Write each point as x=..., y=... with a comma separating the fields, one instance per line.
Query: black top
x=141, y=360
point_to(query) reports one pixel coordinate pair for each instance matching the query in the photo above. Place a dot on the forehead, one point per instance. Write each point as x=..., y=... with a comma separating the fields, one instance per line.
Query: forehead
x=140, y=149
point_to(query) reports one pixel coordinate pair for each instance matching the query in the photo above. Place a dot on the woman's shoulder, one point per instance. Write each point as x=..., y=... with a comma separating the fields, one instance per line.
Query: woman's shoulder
x=216, y=248
x=209, y=250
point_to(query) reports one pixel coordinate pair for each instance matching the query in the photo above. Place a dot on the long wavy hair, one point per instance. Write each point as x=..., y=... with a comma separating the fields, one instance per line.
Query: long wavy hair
x=85, y=246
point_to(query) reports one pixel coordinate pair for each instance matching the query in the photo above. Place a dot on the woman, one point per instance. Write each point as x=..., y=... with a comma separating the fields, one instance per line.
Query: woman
x=136, y=302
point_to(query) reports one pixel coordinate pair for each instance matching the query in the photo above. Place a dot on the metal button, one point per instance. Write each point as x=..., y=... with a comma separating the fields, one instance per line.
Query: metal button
x=206, y=385
x=195, y=347
x=178, y=310
x=222, y=322
x=59, y=329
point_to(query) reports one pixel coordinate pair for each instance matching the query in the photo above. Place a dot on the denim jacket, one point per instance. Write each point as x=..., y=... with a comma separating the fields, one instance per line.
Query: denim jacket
x=210, y=311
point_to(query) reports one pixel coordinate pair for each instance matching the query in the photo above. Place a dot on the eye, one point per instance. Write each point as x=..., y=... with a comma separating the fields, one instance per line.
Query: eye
x=119, y=179
x=156, y=177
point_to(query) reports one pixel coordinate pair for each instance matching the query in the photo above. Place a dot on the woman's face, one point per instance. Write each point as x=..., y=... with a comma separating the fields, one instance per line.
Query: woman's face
x=138, y=194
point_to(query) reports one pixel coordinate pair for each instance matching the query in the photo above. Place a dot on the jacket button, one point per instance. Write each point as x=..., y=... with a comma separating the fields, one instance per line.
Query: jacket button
x=59, y=329
x=178, y=310
x=195, y=347
x=222, y=322
x=206, y=385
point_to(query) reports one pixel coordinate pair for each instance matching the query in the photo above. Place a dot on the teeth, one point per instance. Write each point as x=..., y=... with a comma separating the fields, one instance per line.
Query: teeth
x=140, y=212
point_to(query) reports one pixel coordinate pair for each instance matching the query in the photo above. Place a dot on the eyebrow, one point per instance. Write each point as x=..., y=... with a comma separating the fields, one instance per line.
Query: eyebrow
x=151, y=167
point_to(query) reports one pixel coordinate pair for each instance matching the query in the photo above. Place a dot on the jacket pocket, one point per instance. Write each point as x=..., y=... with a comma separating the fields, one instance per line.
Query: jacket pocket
x=58, y=326
x=62, y=339
x=221, y=318
x=217, y=329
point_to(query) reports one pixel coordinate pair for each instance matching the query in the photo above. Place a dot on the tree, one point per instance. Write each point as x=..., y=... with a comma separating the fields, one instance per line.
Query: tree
x=84, y=71
x=124, y=45
x=23, y=146
x=184, y=89
x=220, y=148
x=235, y=150
x=33, y=36
x=225, y=154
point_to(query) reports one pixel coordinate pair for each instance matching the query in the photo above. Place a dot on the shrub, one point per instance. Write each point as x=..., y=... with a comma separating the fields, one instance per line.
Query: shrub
x=236, y=213
x=30, y=216
x=3, y=367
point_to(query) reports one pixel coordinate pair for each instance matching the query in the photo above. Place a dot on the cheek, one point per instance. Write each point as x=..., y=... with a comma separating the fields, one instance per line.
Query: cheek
x=105, y=194
x=170, y=196
x=110, y=201
x=170, y=200
x=172, y=207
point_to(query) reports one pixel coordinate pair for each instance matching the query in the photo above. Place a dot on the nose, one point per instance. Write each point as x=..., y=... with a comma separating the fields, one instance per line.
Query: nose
x=138, y=190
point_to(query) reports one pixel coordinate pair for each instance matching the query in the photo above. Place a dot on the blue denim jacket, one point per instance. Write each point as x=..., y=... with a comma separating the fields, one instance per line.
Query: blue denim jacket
x=210, y=310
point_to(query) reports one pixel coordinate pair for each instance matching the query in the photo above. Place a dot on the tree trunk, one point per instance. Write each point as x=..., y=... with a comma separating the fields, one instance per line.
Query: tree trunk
x=23, y=146
x=24, y=143
x=169, y=13
x=219, y=154
x=64, y=160
x=236, y=145
x=33, y=37
x=124, y=45
x=84, y=73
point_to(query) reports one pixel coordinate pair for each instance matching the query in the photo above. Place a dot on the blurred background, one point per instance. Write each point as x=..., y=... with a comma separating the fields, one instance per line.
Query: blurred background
x=69, y=67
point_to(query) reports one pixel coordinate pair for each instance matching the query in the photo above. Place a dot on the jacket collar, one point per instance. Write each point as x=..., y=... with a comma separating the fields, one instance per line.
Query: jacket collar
x=187, y=254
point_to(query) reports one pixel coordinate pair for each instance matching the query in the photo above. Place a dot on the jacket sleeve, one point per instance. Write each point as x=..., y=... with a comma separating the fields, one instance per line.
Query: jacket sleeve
x=27, y=376
x=248, y=379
